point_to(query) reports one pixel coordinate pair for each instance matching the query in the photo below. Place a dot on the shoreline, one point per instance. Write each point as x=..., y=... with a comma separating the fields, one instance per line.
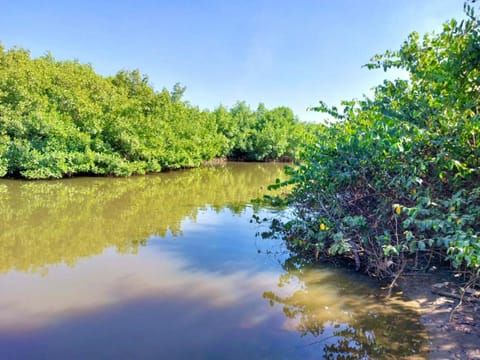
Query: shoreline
x=450, y=335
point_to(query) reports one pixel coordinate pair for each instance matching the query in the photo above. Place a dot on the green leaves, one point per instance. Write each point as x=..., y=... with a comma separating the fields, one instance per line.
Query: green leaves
x=60, y=118
x=260, y=135
x=398, y=174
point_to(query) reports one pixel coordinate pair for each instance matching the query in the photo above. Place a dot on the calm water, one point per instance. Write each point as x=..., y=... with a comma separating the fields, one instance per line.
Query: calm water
x=169, y=267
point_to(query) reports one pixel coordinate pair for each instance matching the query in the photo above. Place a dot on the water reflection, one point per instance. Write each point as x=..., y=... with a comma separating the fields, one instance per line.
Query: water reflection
x=51, y=222
x=177, y=274
x=163, y=304
x=111, y=280
x=155, y=299
x=345, y=317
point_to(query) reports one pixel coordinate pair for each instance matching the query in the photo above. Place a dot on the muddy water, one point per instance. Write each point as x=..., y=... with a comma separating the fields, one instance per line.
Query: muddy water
x=169, y=267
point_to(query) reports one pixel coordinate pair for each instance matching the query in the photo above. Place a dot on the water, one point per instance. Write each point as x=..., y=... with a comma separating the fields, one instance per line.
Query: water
x=169, y=267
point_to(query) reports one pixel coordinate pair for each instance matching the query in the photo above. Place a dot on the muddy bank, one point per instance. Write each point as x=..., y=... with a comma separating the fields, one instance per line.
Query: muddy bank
x=453, y=329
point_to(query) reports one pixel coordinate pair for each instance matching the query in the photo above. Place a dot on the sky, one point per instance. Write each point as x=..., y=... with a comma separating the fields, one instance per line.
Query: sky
x=278, y=52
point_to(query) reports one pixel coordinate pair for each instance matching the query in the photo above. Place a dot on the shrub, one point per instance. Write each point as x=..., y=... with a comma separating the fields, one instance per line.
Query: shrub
x=393, y=182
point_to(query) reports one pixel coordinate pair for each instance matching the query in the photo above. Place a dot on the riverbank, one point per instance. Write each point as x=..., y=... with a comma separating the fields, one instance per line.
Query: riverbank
x=451, y=335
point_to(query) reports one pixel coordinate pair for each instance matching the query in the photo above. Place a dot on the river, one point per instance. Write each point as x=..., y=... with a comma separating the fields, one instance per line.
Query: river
x=171, y=266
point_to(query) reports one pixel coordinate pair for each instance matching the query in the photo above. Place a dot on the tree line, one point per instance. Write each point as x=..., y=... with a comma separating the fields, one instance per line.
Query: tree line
x=61, y=118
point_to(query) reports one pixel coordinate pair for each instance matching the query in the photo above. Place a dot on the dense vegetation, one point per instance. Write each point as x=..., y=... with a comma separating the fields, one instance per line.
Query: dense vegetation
x=393, y=183
x=60, y=118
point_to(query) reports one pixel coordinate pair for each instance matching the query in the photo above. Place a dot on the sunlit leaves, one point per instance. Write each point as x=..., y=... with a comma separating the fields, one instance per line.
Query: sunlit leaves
x=404, y=163
x=60, y=118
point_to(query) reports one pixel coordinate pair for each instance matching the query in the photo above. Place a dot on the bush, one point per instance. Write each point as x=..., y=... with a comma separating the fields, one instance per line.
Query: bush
x=393, y=182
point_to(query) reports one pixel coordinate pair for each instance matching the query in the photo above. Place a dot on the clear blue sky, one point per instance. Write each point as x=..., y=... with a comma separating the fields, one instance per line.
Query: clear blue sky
x=279, y=52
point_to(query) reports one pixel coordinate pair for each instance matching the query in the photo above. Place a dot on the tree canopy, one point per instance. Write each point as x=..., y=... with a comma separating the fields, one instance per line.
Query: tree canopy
x=61, y=118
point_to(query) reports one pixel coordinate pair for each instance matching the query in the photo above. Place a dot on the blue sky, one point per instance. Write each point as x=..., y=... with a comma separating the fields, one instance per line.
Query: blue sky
x=281, y=52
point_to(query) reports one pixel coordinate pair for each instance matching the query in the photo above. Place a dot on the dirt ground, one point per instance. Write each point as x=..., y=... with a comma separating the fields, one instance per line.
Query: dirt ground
x=452, y=335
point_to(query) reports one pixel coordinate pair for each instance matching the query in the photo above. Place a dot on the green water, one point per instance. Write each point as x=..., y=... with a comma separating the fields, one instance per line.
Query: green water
x=169, y=267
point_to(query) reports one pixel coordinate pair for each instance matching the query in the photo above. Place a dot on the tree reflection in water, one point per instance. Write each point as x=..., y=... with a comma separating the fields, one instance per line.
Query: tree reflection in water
x=332, y=309
x=53, y=222
x=62, y=222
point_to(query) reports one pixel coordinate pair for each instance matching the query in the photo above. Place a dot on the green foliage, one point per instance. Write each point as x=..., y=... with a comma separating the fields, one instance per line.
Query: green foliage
x=60, y=118
x=260, y=135
x=394, y=180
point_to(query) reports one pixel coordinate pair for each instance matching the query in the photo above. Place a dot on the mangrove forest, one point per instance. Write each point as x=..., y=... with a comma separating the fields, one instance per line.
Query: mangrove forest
x=60, y=119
